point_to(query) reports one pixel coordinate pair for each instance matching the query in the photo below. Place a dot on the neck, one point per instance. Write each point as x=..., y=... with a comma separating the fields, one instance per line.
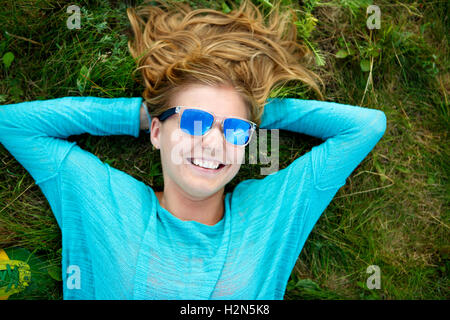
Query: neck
x=207, y=211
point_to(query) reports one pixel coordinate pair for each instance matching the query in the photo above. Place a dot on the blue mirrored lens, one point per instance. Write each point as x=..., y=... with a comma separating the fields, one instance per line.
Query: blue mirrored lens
x=237, y=131
x=196, y=122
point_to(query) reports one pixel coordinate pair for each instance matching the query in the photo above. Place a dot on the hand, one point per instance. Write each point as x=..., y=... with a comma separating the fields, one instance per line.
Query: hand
x=144, y=119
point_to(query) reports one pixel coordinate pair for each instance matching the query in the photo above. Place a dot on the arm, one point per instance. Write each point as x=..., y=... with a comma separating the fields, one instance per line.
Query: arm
x=280, y=210
x=146, y=119
x=350, y=133
x=34, y=132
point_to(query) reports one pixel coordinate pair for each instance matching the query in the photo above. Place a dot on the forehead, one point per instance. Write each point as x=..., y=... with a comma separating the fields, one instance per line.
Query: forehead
x=223, y=101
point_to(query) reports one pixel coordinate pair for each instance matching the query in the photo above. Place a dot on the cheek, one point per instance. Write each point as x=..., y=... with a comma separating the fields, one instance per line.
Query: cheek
x=235, y=155
x=174, y=147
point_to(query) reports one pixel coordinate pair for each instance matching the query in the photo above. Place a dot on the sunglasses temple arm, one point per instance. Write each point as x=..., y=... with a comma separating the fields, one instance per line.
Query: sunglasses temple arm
x=167, y=113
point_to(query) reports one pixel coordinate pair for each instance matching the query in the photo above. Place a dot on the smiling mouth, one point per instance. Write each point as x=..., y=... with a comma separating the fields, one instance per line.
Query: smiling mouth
x=206, y=166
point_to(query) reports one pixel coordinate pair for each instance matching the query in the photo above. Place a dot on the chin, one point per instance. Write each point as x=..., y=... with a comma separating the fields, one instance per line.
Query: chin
x=201, y=192
x=200, y=188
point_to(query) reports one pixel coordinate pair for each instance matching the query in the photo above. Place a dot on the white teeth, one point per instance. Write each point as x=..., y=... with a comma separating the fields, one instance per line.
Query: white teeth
x=205, y=164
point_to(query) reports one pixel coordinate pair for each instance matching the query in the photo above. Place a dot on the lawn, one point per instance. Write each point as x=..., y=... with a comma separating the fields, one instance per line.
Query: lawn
x=393, y=211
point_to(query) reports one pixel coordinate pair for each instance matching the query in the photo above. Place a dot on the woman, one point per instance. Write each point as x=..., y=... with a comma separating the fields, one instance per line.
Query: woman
x=207, y=79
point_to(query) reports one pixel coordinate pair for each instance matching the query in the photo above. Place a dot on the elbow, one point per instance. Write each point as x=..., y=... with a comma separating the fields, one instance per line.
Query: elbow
x=382, y=123
x=378, y=124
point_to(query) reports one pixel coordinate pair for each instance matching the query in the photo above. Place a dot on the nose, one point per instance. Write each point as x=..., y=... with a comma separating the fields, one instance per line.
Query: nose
x=212, y=142
x=214, y=137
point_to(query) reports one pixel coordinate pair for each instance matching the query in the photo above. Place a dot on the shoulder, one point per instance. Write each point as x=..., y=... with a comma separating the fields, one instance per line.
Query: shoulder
x=105, y=189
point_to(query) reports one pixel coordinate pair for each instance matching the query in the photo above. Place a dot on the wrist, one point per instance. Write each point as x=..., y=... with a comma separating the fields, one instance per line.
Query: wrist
x=145, y=118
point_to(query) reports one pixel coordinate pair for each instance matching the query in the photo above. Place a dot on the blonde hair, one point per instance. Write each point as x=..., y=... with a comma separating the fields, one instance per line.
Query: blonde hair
x=175, y=46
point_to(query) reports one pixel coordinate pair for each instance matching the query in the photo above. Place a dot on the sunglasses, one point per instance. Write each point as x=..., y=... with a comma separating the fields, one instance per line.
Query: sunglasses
x=198, y=122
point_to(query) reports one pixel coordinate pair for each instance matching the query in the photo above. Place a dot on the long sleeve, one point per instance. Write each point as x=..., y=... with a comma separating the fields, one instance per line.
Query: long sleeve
x=277, y=213
x=349, y=132
x=34, y=133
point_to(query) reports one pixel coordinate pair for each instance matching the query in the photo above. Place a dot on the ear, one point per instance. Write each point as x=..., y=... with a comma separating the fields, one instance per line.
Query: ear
x=155, y=132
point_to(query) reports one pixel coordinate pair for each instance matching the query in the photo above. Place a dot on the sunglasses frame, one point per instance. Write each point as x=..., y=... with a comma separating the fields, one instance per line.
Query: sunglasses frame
x=180, y=109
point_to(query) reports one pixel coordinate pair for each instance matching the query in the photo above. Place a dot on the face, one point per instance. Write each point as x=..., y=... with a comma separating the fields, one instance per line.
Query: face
x=179, y=149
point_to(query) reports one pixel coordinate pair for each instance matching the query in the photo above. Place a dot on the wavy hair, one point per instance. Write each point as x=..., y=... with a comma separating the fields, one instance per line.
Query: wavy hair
x=175, y=46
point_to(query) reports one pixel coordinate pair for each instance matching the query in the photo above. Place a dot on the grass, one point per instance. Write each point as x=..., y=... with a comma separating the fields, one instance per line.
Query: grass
x=393, y=211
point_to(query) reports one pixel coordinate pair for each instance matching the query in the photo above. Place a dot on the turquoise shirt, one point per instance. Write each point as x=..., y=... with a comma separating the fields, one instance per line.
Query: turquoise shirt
x=119, y=243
